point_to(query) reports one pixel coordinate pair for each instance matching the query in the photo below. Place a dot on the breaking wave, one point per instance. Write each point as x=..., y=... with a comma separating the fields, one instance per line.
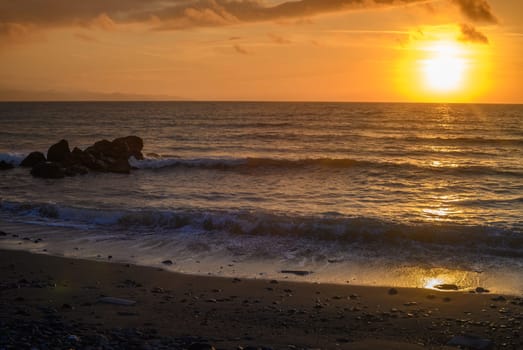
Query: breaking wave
x=313, y=163
x=241, y=164
x=12, y=158
x=327, y=227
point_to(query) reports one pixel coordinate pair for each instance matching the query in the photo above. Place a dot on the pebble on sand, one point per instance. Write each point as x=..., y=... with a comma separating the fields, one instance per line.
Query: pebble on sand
x=393, y=291
x=446, y=287
x=296, y=272
x=117, y=301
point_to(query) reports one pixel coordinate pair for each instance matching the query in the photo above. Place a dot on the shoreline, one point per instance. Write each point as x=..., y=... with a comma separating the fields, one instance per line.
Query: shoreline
x=251, y=258
x=179, y=310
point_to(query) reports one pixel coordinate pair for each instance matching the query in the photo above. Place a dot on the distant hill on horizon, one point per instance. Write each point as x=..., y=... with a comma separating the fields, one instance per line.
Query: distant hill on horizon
x=13, y=95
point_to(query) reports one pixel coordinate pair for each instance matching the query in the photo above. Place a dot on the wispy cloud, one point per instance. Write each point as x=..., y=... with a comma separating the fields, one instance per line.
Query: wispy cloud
x=240, y=49
x=470, y=34
x=278, y=39
x=477, y=10
x=85, y=37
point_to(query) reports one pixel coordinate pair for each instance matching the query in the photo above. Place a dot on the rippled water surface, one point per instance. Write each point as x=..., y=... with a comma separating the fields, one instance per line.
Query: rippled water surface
x=344, y=180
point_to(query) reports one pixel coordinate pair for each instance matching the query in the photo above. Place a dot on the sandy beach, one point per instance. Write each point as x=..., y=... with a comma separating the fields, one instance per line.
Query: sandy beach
x=53, y=302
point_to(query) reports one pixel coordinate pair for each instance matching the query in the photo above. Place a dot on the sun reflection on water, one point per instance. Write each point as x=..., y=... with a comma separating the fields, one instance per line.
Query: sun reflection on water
x=440, y=208
x=448, y=279
x=430, y=283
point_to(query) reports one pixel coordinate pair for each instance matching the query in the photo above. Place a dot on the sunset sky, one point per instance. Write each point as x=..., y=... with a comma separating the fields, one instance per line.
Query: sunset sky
x=305, y=50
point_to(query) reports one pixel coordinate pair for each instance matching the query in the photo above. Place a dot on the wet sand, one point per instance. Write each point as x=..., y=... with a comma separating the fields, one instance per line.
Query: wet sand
x=54, y=302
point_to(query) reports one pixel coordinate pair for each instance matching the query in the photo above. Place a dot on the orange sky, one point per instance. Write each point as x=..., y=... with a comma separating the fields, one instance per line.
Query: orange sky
x=307, y=50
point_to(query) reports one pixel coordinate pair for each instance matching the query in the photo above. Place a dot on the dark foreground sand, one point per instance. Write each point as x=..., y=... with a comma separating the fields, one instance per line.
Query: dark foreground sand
x=54, y=303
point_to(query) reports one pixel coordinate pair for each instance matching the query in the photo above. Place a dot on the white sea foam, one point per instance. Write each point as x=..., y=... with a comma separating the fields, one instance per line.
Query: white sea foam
x=14, y=158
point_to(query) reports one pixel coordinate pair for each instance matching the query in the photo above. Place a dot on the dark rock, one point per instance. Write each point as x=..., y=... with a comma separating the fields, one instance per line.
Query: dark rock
x=393, y=291
x=32, y=159
x=129, y=146
x=471, y=342
x=67, y=307
x=126, y=313
x=5, y=165
x=120, y=166
x=76, y=153
x=499, y=298
x=80, y=158
x=69, y=172
x=59, y=152
x=201, y=346
x=117, y=301
x=167, y=262
x=120, y=148
x=76, y=170
x=446, y=287
x=343, y=340
x=48, y=170
x=100, y=148
x=481, y=290
x=296, y=272
x=77, y=157
x=100, y=165
x=104, y=156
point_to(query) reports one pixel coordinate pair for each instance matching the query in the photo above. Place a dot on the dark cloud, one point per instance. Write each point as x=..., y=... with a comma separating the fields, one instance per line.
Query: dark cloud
x=19, y=15
x=477, y=10
x=241, y=50
x=13, y=30
x=85, y=37
x=471, y=34
x=64, y=12
x=167, y=14
x=18, y=33
x=278, y=39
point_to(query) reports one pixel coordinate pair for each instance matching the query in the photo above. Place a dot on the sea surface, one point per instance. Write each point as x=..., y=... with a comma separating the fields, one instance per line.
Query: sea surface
x=360, y=193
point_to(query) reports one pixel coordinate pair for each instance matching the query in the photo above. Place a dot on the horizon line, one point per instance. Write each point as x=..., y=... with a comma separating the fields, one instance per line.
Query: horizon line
x=252, y=101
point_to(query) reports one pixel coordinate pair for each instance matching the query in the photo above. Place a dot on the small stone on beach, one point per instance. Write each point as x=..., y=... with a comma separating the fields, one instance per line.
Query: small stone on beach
x=446, y=287
x=117, y=301
x=67, y=307
x=201, y=346
x=296, y=272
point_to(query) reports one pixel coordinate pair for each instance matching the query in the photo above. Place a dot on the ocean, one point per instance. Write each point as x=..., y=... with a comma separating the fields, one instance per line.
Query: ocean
x=361, y=193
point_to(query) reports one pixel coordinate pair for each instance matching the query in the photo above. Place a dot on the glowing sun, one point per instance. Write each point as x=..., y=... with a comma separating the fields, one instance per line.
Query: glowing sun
x=444, y=70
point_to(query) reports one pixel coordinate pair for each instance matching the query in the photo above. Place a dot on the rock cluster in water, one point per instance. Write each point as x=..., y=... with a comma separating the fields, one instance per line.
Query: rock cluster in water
x=103, y=156
x=5, y=166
